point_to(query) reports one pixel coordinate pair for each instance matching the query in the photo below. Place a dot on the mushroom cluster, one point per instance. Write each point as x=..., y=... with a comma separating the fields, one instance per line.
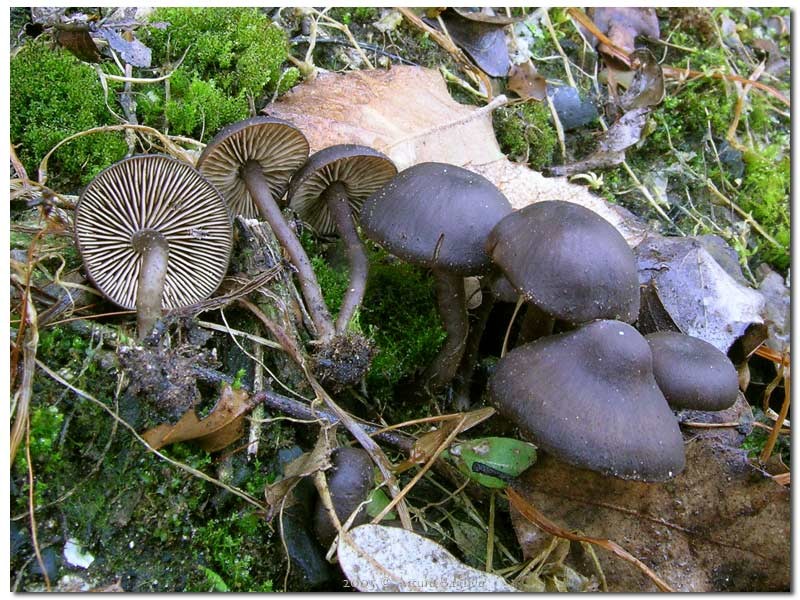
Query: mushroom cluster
x=582, y=382
x=597, y=395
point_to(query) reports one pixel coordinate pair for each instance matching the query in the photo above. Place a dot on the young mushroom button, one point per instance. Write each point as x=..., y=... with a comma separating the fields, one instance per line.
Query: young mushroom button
x=153, y=234
x=251, y=163
x=589, y=398
x=438, y=216
x=692, y=373
x=327, y=192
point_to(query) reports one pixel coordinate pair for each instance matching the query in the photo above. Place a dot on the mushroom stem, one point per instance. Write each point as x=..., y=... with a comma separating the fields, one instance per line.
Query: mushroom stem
x=259, y=190
x=536, y=324
x=338, y=203
x=153, y=273
x=466, y=369
x=452, y=302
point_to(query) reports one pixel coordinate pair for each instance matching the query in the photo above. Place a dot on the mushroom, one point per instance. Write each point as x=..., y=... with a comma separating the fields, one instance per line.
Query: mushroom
x=251, y=163
x=153, y=233
x=327, y=192
x=568, y=261
x=588, y=396
x=438, y=216
x=350, y=481
x=691, y=373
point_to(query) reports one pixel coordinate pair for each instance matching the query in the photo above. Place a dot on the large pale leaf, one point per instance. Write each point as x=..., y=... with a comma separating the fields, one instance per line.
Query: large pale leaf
x=721, y=525
x=394, y=111
x=377, y=558
x=408, y=114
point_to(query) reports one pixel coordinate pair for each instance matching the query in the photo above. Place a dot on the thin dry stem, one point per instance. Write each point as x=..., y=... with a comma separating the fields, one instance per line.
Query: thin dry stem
x=31, y=484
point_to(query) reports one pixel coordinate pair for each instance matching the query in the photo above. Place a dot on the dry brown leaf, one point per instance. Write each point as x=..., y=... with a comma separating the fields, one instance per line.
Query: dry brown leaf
x=623, y=24
x=221, y=427
x=481, y=37
x=525, y=81
x=396, y=111
x=307, y=464
x=721, y=525
x=408, y=114
x=426, y=445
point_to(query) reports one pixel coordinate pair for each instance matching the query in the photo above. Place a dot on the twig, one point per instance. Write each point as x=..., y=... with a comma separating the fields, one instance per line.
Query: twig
x=31, y=484
x=397, y=500
x=303, y=39
x=330, y=22
x=560, y=50
x=773, y=437
x=537, y=518
x=250, y=336
x=169, y=145
x=680, y=74
x=446, y=43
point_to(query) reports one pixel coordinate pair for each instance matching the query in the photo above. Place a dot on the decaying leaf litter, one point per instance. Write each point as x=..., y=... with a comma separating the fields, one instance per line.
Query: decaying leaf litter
x=375, y=108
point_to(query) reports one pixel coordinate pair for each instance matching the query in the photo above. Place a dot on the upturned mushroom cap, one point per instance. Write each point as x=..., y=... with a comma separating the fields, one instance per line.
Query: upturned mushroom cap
x=361, y=170
x=436, y=215
x=144, y=196
x=692, y=373
x=589, y=397
x=350, y=481
x=568, y=261
x=278, y=146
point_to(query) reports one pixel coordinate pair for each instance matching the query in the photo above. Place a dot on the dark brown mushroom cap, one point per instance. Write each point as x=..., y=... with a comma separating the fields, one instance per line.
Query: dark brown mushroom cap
x=692, y=373
x=588, y=396
x=278, y=146
x=436, y=215
x=568, y=261
x=350, y=482
x=153, y=193
x=361, y=170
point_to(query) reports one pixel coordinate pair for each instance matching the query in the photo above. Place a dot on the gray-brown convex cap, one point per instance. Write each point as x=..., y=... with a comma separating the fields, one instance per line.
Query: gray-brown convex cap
x=278, y=147
x=157, y=194
x=350, y=482
x=437, y=215
x=360, y=169
x=692, y=373
x=588, y=396
x=568, y=261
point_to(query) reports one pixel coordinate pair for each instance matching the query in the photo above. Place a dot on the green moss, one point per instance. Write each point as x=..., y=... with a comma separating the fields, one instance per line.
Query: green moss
x=53, y=96
x=526, y=134
x=765, y=194
x=220, y=554
x=399, y=313
x=233, y=55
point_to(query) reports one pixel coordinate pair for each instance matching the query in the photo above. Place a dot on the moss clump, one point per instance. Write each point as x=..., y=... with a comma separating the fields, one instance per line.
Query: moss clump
x=54, y=96
x=399, y=313
x=233, y=57
x=689, y=114
x=526, y=134
x=765, y=194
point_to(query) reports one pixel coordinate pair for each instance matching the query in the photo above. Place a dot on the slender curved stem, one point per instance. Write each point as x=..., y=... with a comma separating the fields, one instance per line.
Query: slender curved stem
x=152, y=275
x=338, y=204
x=259, y=190
x=452, y=303
x=463, y=377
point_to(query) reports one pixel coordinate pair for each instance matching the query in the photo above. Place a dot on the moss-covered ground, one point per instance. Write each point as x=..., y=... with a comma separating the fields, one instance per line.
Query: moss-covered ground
x=152, y=525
